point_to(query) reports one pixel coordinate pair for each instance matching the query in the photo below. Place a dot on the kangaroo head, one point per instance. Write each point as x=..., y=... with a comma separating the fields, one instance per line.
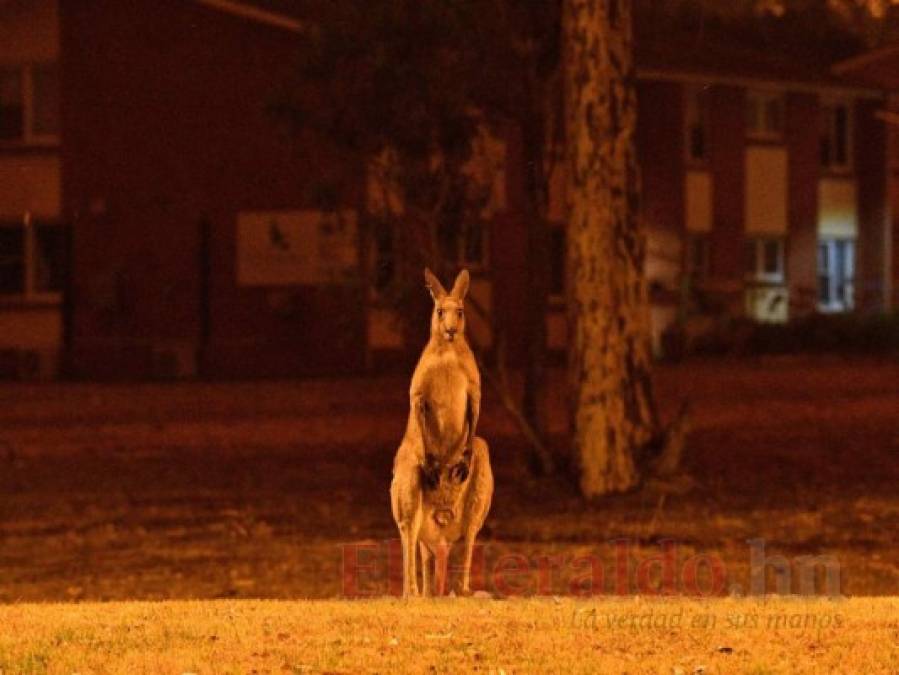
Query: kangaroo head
x=448, y=317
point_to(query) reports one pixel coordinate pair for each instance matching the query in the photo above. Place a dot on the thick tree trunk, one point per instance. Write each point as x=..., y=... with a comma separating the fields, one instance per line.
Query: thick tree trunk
x=613, y=412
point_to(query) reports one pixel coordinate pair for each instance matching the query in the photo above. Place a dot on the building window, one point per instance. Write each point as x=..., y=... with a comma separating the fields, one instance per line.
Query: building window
x=894, y=148
x=696, y=121
x=465, y=246
x=764, y=116
x=32, y=259
x=836, y=123
x=12, y=261
x=836, y=271
x=697, y=261
x=384, y=264
x=892, y=120
x=12, y=105
x=45, y=100
x=29, y=104
x=557, y=262
x=765, y=260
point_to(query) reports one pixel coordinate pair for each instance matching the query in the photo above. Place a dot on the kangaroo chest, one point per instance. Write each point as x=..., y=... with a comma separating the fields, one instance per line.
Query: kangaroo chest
x=444, y=385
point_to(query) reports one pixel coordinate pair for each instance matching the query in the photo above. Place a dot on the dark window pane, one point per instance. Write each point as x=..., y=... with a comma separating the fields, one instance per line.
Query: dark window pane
x=849, y=258
x=772, y=257
x=557, y=281
x=384, y=262
x=774, y=116
x=46, y=99
x=698, y=261
x=12, y=120
x=448, y=241
x=474, y=244
x=697, y=142
x=839, y=265
x=749, y=257
x=696, y=116
x=12, y=256
x=826, y=151
x=841, y=140
x=50, y=258
x=752, y=115
x=823, y=289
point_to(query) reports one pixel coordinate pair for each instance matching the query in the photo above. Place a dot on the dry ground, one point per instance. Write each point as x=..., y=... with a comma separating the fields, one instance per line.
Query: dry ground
x=224, y=490
x=388, y=636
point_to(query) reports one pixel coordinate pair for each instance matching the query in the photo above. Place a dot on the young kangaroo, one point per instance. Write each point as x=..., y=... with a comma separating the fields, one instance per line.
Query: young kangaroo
x=442, y=481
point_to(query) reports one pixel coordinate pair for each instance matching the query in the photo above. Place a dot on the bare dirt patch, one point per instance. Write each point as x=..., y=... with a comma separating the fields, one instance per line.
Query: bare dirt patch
x=211, y=490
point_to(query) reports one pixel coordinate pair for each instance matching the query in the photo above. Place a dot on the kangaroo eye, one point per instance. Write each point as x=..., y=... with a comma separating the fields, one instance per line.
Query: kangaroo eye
x=439, y=312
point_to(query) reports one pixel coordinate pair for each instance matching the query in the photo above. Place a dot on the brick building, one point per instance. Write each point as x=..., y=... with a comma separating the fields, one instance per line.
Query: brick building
x=156, y=222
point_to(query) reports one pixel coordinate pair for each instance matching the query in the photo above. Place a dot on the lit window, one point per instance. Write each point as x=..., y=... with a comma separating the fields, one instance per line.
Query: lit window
x=696, y=122
x=836, y=123
x=32, y=259
x=764, y=115
x=836, y=271
x=765, y=260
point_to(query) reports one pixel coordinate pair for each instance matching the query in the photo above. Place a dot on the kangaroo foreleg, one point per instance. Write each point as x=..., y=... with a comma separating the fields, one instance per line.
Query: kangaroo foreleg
x=472, y=413
x=426, y=561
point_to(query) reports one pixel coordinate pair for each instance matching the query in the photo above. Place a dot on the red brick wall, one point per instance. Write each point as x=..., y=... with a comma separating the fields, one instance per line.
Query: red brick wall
x=728, y=165
x=873, y=224
x=660, y=145
x=802, y=113
x=164, y=126
x=508, y=254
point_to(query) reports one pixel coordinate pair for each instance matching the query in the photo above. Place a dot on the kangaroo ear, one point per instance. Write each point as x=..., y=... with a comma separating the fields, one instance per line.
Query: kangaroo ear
x=460, y=288
x=434, y=286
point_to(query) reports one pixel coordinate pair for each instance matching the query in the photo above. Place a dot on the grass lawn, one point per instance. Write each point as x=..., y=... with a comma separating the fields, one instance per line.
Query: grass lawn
x=631, y=635
x=171, y=528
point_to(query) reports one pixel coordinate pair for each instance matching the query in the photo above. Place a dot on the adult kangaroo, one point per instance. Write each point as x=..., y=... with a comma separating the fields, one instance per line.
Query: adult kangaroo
x=442, y=482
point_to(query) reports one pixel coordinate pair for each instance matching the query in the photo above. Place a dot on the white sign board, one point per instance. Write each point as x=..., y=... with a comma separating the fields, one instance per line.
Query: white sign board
x=278, y=248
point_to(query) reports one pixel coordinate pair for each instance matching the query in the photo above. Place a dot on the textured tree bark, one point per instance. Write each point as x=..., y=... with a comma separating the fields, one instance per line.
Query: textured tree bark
x=609, y=360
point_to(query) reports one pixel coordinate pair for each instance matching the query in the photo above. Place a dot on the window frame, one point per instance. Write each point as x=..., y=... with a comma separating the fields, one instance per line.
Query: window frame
x=759, y=100
x=30, y=137
x=696, y=109
x=846, y=278
x=30, y=248
x=759, y=274
x=698, y=273
x=462, y=258
x=384, y=242
x=828, y=107
x=460, y=254
x=556, y=297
